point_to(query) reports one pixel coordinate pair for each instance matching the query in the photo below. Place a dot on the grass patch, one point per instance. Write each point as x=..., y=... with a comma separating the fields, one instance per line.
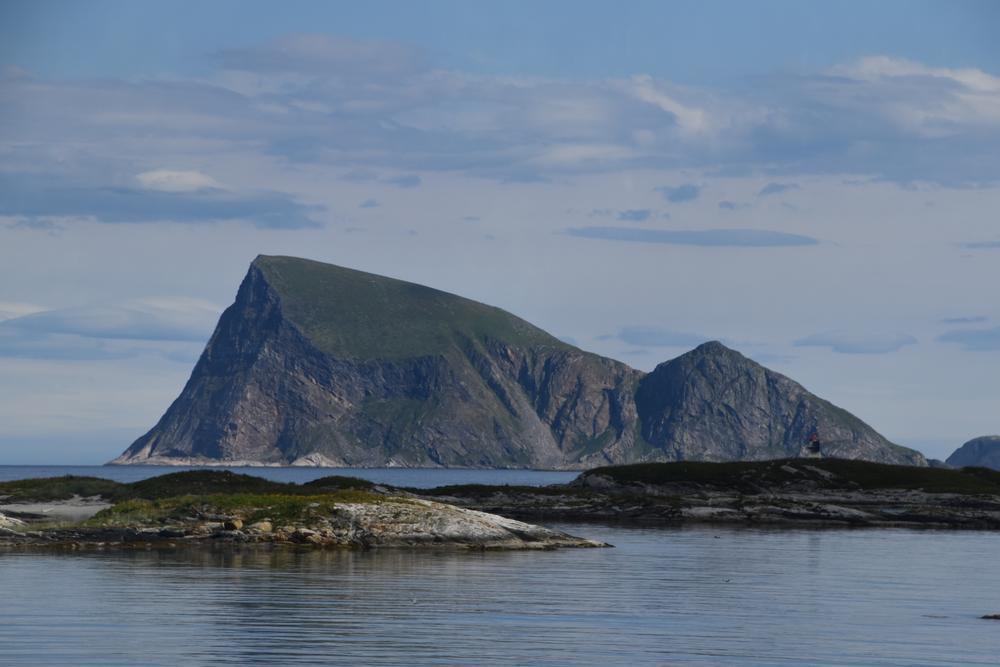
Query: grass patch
x=128, y=513
x=336, y=483
x=47, y=489
x=187, y=483
x=350, y=313
x=250, y=507
x=200, y=482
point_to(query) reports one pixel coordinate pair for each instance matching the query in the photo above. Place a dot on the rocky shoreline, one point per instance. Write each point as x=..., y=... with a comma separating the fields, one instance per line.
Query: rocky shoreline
x=221, y=508
x=793, y=492
x=883, y=509
x=211, y=507
x=418, y=524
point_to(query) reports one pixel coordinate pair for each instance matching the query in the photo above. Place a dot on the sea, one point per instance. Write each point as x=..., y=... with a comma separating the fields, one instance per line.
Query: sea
x=662, y=595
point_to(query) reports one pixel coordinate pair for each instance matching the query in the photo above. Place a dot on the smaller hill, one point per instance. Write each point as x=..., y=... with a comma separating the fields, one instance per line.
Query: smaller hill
x=983, y=451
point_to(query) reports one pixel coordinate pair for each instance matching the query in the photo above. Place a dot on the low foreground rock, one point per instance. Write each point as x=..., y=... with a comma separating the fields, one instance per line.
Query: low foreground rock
x=804, y=492
x=351, y=519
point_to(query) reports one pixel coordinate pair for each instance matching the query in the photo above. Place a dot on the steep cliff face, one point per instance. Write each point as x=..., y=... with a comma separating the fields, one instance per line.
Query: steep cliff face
x=320, y=365
x=317, y=364
x=714, y=404
x=983, y=451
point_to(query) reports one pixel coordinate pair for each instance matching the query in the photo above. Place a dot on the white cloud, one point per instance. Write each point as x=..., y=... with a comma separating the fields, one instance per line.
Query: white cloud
x=10, y=309
x=932, y=101
x=690, y=119
x=874, y=68
x=366, y=104
x=165, y=180
x=88, y=331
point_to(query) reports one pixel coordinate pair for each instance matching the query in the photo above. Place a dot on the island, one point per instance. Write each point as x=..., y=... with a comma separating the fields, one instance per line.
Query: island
x=218, y=507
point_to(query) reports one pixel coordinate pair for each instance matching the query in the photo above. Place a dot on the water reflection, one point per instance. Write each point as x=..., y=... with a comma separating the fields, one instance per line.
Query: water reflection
x=678, y=597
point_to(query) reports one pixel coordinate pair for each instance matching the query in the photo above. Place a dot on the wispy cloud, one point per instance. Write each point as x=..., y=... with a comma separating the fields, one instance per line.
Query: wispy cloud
x=635, y=215
x=171, y=318
x=174, y=327
x=972, y=319
x=845, y=343
x=983, y=245
x=166, y=180
x=405, y=181
x=359, y=176
x=744, y=238
x=11, y=309
x=974, y=339
x=369, y=203
x=367, y=106
x=776, y=188
x=32, y=197
x=927, y=101
x=680, y=193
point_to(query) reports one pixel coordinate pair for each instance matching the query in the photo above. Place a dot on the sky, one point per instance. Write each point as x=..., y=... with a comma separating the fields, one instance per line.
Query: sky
x=814, y=184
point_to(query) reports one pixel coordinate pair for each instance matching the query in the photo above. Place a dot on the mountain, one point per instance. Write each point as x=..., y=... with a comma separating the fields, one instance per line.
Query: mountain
x=316, y=364
x=983, y=451
x=714, y=404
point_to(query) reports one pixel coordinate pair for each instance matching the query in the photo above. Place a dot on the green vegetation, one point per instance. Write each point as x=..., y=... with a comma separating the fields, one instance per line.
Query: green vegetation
x=750, y=475
x=196, y=482
x=335, y=483
x=187, y=483
x=57, y=488
x=361, y=315
x=249, y=507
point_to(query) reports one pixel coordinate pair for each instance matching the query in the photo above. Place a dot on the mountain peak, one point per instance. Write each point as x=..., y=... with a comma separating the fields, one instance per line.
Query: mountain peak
x=714, y=348
x=317, y=362
x=351, y=313
x=982, y=451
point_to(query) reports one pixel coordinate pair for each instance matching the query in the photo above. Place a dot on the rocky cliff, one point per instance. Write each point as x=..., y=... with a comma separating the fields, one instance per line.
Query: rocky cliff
x=983, y=451
x=714, y=404
x=316, y=364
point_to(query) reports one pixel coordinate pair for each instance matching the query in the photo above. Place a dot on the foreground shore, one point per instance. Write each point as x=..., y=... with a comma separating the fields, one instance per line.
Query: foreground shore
x=223, y=508
x=220, y=507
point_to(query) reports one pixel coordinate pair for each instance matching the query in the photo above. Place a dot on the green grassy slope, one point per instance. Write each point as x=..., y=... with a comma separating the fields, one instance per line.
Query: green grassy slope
x=360, y=315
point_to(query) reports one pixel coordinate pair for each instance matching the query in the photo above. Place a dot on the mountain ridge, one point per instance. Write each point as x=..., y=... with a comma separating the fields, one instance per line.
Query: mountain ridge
x=316, y=364
x=983, y=451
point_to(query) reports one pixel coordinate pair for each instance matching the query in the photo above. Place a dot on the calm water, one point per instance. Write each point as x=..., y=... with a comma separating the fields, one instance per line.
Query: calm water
x=662, y=597
x=421, y=478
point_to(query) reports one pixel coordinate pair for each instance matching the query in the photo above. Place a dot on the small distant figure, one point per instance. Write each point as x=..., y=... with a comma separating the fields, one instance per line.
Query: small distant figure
x=813, y=448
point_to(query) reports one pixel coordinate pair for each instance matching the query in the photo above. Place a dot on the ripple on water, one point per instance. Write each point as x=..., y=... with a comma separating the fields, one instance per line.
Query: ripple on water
x=662, y=597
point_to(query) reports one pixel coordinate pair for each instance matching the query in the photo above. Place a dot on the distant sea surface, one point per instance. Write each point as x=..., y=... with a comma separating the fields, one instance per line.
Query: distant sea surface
x=421, y=478
x=663, y=596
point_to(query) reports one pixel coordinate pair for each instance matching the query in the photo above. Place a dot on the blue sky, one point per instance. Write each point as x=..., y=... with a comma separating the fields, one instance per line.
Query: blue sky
x=813, y=183
x=688, y=41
